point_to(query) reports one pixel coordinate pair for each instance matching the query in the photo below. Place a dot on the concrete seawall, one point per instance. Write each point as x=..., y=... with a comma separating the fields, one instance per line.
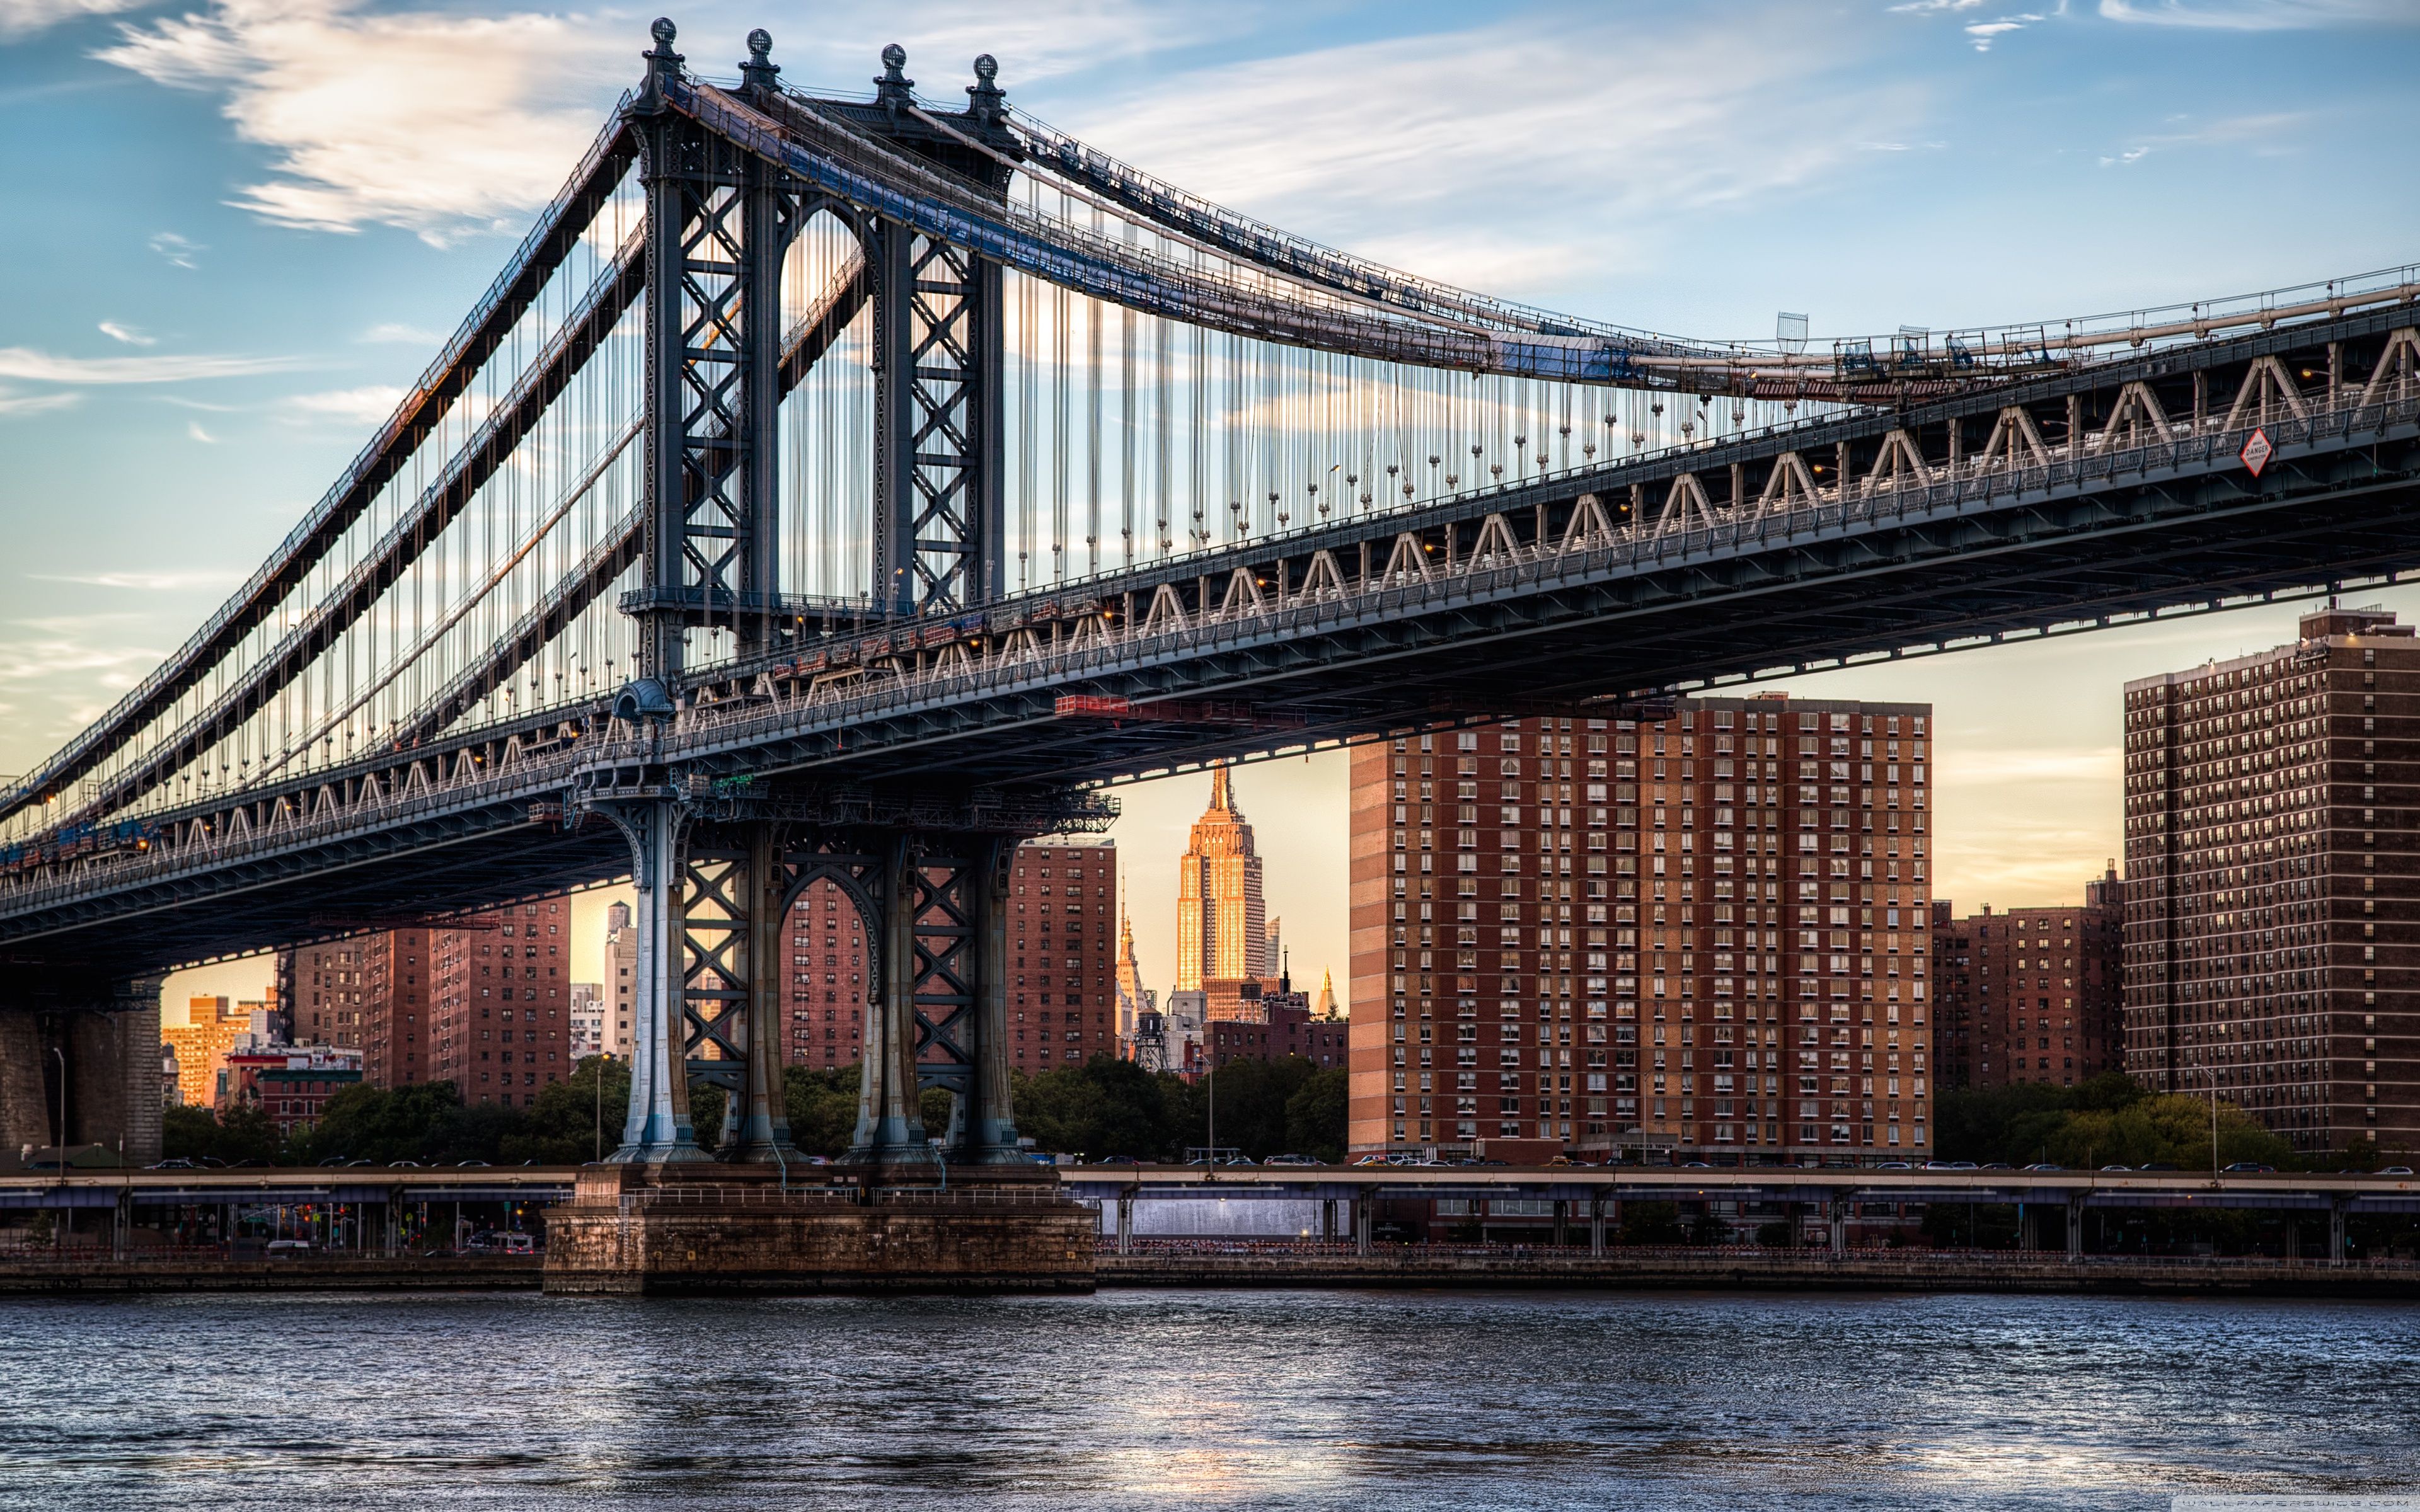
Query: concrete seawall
x=1778, y=1271
x=1412, y=1268
x=101, y=1275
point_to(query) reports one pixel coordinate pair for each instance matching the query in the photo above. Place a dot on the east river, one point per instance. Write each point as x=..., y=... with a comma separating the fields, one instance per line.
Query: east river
x=1398, y=1401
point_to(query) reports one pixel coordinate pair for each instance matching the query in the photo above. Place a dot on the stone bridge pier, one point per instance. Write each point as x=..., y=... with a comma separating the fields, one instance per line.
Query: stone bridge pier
x=102, y=1053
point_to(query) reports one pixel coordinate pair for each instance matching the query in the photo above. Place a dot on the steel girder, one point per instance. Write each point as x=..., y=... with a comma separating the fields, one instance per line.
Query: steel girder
x=1921, y=570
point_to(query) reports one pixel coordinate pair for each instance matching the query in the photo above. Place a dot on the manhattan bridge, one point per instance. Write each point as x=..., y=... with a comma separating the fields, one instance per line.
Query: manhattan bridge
x=844, y=489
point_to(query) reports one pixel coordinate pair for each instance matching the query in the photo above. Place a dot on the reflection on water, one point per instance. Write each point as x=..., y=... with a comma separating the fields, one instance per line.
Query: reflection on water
x=1403, y=1401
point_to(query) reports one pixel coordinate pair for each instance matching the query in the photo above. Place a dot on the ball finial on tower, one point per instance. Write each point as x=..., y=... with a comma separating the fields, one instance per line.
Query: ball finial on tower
x=662, y=62
x=985, y=96
x=760, y=72
x=894, y=88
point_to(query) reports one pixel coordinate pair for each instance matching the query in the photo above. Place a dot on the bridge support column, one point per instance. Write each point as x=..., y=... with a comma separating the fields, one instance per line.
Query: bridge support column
x=1596, y=1224
x=2336, y=1233
x=889, y=1122
x=2029, y=1226
x=756, y=1127
x=1126, y=1221
x=658, y=1128
x=114, y=1052
x=1365, y=1206
x=1837, y=1209
x=27, y=1109
x=989, y=1125
x=2074, y=1229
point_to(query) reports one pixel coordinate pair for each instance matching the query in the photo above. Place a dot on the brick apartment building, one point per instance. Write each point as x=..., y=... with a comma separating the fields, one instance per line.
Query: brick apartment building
x=394, y=1038
x=2273, y=869
x=1062, y=956
x=498, y=1024
x=1708, y=932
x=1242, y=1022
x=2031, y=995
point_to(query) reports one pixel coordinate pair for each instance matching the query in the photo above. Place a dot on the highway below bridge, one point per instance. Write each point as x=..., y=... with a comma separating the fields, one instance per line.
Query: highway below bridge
x=398, y=1229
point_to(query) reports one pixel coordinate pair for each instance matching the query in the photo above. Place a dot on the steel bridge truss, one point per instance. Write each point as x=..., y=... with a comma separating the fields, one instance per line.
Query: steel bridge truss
x=716, y=875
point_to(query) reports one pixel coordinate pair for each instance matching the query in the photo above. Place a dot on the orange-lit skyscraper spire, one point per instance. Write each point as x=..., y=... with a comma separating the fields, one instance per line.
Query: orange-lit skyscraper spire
x=1221, y=922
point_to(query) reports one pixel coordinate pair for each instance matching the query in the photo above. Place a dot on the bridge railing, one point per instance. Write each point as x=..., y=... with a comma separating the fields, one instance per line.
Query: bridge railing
x=1966, y=489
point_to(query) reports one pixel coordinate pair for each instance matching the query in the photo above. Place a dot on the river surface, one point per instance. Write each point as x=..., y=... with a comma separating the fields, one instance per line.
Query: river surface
x=1406, y=1402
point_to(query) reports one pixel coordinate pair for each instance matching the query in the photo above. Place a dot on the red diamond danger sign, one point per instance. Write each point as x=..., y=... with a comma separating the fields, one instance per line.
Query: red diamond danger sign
x=2256, y=452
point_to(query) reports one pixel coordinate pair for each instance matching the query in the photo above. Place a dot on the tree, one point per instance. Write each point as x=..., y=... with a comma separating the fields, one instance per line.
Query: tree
x=197, y=1133
x=571, y=1122
x=387, y=1124
x=1250, y=1098
x=1315, y=1115
x=2174, y=1129
x=823, y=1107
x=1106, y=1107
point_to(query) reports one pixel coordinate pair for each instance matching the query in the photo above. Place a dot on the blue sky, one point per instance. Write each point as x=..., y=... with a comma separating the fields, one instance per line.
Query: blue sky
x=236, y=229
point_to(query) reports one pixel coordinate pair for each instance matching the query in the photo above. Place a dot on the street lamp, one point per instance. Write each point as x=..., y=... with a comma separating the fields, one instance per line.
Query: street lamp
x=60, y=1152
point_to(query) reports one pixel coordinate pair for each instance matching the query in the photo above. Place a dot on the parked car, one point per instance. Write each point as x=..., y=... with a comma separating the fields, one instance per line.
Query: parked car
x=2249, y=1167
x=1117, y=1160
x=288, y=1249
x=1375, y=1158
x=2045, y=1165
x=403, y=1164
x=2395, y=1170
x=179, y=1163
x=1895, y=1165
x=2156, y=1166
x=1290, y=1160
x=2117, y=1167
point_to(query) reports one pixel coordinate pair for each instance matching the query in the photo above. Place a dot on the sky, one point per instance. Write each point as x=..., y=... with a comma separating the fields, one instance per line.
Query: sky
x=236, y=228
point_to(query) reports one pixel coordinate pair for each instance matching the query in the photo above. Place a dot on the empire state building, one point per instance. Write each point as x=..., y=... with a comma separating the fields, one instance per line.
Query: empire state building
x=1221, y=922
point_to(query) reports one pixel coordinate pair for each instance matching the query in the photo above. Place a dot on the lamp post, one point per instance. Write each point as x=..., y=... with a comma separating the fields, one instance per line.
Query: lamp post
x=61, y=1150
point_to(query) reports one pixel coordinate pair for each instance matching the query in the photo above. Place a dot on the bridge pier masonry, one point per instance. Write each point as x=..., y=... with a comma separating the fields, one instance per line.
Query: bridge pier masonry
x=92, y=1060
x=901, y=1210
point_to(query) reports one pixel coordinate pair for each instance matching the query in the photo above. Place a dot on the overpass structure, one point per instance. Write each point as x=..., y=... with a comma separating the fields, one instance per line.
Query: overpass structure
x=843, y=490
x=1583, y=1200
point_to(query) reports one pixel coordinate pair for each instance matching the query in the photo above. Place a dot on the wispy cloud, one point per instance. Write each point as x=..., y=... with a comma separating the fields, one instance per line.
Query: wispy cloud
x=2265, y=134
x=148, y=582
x=181, y=252
x=438, y=123
x=395, y=331
x=1708, y=122
x=128, y=335
x=43, y=367
x=1984, y=33
x=16, y=406
x=23, y=18
x=371, y=404
x=2262, y=15
x=194, y=428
